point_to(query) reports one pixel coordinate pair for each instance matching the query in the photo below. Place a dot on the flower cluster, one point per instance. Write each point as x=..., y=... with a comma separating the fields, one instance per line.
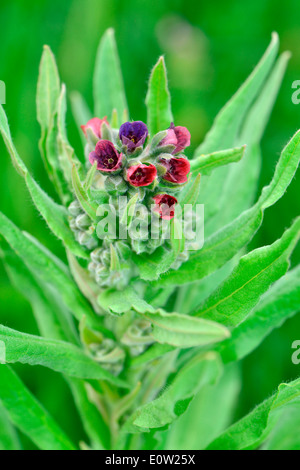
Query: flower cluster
x=152, y=166
x=128, y=163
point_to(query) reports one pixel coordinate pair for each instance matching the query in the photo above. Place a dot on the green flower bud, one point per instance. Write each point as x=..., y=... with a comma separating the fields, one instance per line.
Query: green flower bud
x=115, y=185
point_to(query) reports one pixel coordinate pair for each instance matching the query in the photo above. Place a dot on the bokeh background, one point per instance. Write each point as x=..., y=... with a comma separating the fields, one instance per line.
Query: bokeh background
x=210, y=48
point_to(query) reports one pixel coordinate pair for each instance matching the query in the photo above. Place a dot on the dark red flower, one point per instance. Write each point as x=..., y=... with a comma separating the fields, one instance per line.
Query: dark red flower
x=177, y=169
x=165, y=206
x=107, y=158
x=133, y=134
x=178, y=136
x=95, y=125
x=141, y=175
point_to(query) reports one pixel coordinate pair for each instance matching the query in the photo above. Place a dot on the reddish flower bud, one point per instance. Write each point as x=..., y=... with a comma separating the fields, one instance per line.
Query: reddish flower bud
x=177, y=169
x=141, y=175
x=133, y=134
x=178, y=136
x=95, y=125
x=165, y=206
x=107, y=158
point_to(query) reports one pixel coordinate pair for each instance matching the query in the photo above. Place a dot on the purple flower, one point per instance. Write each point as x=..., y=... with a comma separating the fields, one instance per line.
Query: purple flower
x=178, y=136
x=107, y=158
x=141, y=175
x=133, y=134
x=177, y=169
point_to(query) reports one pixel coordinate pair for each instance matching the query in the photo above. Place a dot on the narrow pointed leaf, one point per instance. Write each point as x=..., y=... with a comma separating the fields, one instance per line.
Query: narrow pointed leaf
x=89, y=207
x=56, y=355
x=227, y=242
x=55, y=215
x=281, y=302
x=109, y=91
x=252, y=430
x=200, y=371
x=255, y=273
x=45, y=265
x=205, y=164
x=158, y=100
x=28, y=415
x=168, y=328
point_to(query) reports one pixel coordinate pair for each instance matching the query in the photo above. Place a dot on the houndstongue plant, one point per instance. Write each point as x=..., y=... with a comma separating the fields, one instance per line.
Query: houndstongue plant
x=145, y=315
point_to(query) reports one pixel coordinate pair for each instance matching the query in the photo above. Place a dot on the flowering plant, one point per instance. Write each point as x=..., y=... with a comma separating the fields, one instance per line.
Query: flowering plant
x=145, y=315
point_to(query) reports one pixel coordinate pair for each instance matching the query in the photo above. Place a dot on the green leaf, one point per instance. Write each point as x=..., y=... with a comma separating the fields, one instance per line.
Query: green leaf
x=48, y=89
x=92, y=420
x=205, y=164
x=55, y=215
x=109, y=91
x=192, y=193
x=89, y=207
x=280, y=303
x=56, y=355
x=253, y=276
x=252, y=430
x=48, y=268
x=150, y=268
x=201, y=370
x=48, y=93
x=227, y=242
x=66, y=154
x=158, y=100
x=54, y=320
x=229, y=121
x=243, y=178
x=28, y=415
x=226, y=133
x=209, y=414
x=168, y=328
x=9, y=439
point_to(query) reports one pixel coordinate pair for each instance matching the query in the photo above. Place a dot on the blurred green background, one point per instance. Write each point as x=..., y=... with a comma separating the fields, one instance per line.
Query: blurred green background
x=210, y=48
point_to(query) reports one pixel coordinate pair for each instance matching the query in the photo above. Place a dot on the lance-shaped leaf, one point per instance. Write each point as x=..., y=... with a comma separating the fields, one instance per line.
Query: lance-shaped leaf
x=255, y=273
x=281, y=302
x=243, y=178
x=54, y=214
x=168, y=328
x=229, y=121
x=252, y=430
x=200, y=371
x=28, y=415
x=158, y=100
x=56, y=355
x=89, y=207
x=55, y=322
x=205, y=164
x=227, y=242
x=225, y=133
x=50, y=269
x=9, y=439
x=92, y=420
x=66, y=154
x=48, y=92
x=109, y=93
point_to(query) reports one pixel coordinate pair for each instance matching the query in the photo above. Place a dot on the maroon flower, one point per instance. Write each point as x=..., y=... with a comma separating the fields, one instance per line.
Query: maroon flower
x=165, y=206
x=141, y=175
x=177, y=169
x=133, y=134
x=178, y=136
x=95, y=125
x=107, y=158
